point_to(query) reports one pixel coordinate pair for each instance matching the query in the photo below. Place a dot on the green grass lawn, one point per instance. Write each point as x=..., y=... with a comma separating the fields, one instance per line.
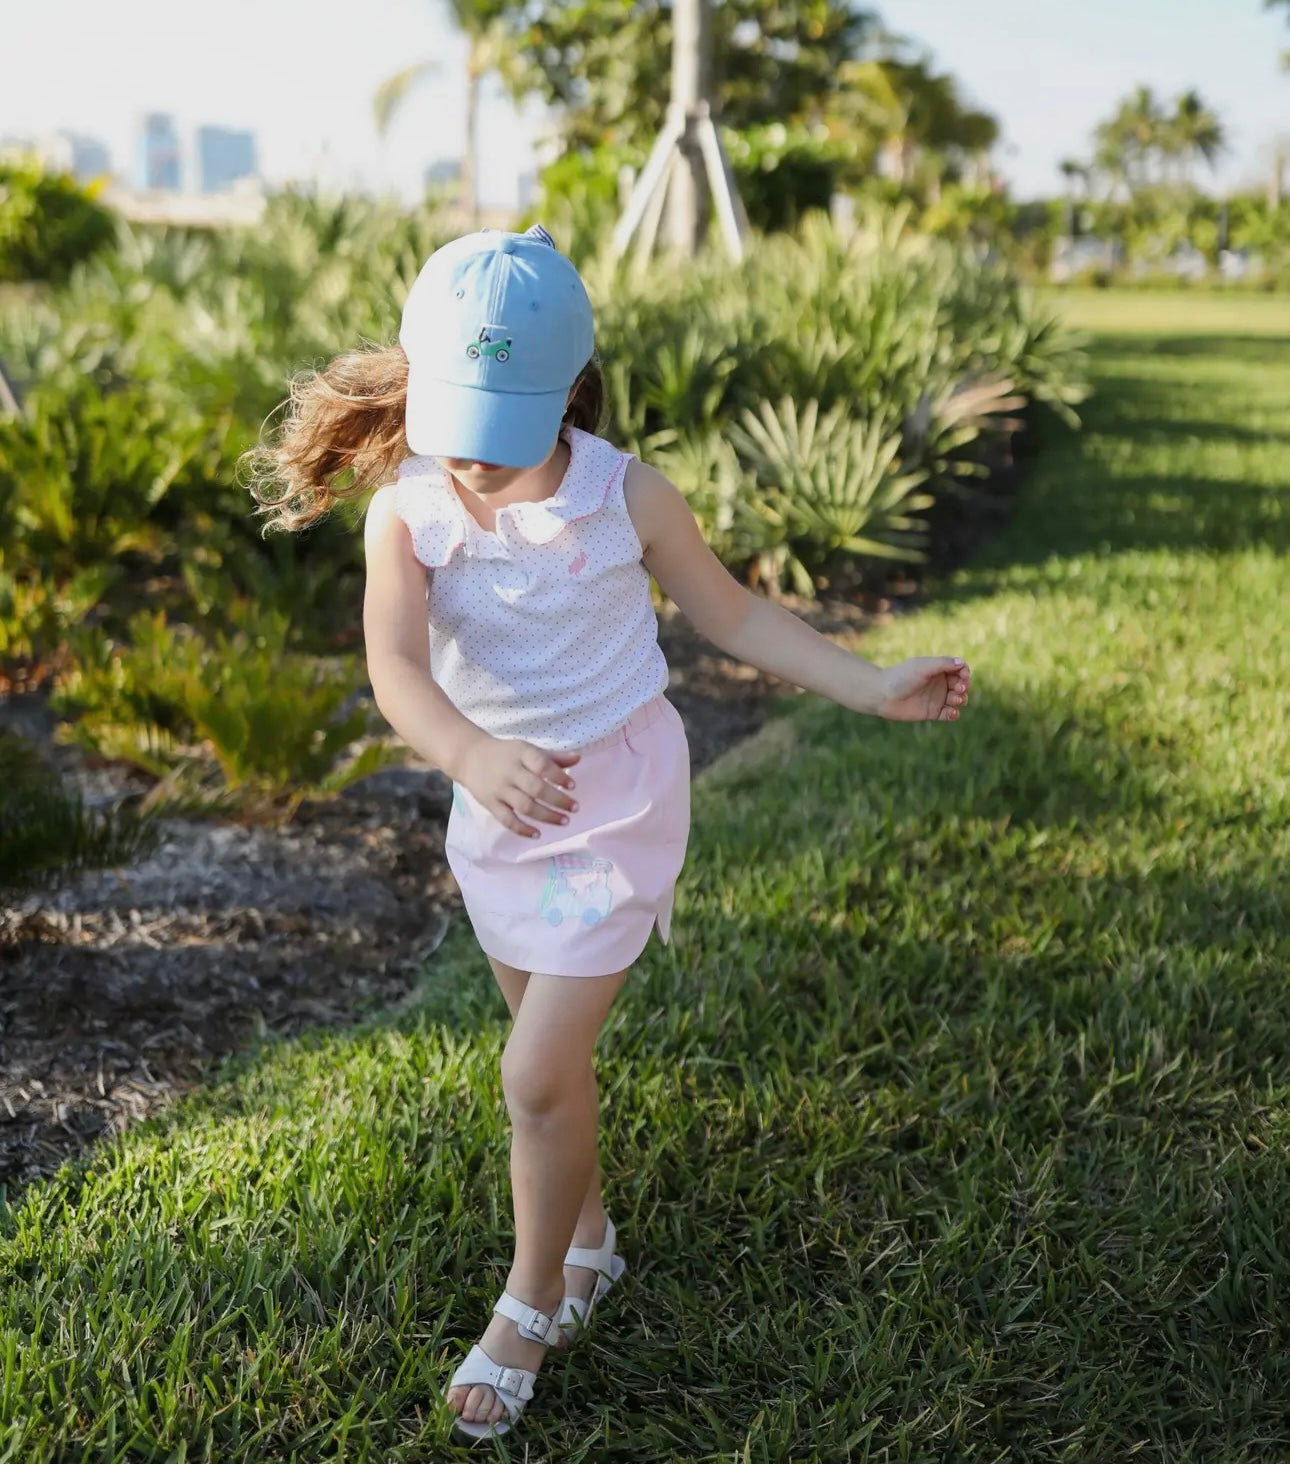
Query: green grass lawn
x=952, y=1128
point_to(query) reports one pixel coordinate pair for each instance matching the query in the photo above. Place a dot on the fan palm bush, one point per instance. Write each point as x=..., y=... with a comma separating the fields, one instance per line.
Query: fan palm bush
x=829, y=483
x=85, y=476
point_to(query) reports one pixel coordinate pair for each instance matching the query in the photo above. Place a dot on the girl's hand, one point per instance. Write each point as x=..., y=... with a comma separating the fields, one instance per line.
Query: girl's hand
x=515, y=780
x=925, y=689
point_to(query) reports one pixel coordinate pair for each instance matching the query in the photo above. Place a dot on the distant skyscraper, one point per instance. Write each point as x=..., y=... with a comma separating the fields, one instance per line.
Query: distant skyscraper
x=224, y=157
x=85, y=157
x=159, y=153
x=90, y=158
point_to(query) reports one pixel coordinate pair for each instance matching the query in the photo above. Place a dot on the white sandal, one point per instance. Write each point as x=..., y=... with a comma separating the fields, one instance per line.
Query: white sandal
x=513, y=1386
x=575, y=1313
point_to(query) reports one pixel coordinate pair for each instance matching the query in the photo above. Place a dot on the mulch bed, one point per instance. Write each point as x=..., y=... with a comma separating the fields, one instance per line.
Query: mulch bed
x=124, y=987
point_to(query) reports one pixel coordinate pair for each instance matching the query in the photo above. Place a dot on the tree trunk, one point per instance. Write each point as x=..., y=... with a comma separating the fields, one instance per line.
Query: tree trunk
x=470, y=151
x=688, y=203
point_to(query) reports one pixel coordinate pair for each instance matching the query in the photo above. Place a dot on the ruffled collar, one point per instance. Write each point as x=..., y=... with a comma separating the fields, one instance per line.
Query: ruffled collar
x=440, y=524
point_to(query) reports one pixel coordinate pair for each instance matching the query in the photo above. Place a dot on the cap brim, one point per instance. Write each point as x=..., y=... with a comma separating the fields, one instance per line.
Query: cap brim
x=509, y=429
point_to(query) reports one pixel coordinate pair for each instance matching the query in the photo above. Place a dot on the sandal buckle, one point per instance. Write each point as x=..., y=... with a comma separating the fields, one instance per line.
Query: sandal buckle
x=509, y=1380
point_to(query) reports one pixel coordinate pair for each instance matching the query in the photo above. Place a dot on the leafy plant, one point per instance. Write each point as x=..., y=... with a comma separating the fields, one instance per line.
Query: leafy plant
x=44, y=828
x=685, y=378
x=48, y=223
x=37, y=617
x=277, y=725
x=937, y=433
x=719, y=489
x=84, y=475
x=832, y=483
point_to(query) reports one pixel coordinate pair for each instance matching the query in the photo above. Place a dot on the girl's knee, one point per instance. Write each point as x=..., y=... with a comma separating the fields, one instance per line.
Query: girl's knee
x=537, y=1084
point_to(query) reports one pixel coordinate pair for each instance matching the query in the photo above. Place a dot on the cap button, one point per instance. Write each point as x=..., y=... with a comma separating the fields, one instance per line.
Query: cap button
x=508, y=246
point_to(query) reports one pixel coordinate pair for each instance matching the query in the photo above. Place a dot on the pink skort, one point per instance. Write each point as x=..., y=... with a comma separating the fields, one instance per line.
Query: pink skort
x=582, y=899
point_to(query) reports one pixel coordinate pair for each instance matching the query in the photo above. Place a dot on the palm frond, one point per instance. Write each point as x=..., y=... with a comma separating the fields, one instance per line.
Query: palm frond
x=393, y=91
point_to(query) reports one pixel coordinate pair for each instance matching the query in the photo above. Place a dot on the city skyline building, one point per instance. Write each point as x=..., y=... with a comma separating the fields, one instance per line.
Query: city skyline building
x=159, y=159
x=86, y=158
x=225, y=156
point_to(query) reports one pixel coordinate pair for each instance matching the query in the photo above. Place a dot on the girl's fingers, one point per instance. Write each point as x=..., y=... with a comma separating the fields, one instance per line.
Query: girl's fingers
x=508, y=818
x=528, y=806
x=551, y=765
x=533, y=787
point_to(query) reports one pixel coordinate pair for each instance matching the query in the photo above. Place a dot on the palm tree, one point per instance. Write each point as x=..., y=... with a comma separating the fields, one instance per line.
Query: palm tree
x=492, y=50
x=912, y=116
x=1194, y=132
x=977, y=133
x=1074, y=172
x=1127, y=142
x=873, y=112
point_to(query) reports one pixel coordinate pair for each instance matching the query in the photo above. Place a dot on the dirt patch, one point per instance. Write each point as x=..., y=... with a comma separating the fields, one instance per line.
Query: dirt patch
x=124, y=986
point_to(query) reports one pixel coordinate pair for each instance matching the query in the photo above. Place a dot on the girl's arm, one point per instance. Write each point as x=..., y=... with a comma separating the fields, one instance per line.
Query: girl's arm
x=397, y=637
x=513, y=779
x=766, y=635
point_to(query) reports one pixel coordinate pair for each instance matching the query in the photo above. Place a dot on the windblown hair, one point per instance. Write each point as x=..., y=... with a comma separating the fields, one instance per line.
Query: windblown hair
x=343, y=434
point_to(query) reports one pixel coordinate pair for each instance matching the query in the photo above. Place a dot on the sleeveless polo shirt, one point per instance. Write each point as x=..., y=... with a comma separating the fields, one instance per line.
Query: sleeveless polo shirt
x=543, y=629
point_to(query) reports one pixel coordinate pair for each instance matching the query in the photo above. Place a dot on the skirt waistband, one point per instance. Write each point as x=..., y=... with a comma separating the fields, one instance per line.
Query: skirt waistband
x=641, y=718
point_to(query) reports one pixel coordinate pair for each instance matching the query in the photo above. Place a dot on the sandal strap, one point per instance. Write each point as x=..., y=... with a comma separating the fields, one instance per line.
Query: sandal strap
x=594, y=1260
x=513, y=1385
x=532, y=1323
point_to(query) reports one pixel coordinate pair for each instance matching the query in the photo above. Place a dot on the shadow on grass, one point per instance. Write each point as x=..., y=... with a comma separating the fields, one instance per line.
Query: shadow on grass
x=1169, y=512
x=1076, y=499
x=1169, y=429
x=1252, y=350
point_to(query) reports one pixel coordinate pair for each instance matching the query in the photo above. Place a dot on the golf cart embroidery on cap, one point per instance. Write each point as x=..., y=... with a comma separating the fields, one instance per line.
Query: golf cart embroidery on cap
x=491, y=341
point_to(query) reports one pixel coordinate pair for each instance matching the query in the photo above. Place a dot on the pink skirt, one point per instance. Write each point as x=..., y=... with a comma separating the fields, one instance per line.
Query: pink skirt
x=582, y=899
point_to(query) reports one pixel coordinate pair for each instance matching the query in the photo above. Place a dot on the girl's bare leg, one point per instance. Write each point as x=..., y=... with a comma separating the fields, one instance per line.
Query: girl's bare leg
x=590, y=1229
x=550, y=1089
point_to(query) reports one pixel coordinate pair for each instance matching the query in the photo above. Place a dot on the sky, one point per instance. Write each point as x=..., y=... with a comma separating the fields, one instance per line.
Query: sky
x=301, y=74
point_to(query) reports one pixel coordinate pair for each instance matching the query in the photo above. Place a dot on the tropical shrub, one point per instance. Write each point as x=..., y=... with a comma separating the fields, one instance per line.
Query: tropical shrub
x=831, y=484
x=915, y=339
x=37, y=618
x=85, y=475
x=234, y=716
x=784, y=173
x=48, y=223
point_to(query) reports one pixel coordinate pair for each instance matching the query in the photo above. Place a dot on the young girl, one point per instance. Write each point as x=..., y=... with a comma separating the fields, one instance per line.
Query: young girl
x=536, y=682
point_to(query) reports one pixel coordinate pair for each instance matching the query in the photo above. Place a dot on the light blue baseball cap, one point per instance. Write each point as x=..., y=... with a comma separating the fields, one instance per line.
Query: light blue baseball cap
x=496, y=328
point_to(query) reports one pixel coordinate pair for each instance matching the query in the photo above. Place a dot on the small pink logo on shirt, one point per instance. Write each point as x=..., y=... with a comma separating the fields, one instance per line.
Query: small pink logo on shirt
x=576, y=566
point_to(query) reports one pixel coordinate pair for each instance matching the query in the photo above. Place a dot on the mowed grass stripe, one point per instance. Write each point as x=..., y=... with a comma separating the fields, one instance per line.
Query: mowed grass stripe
x=953, y=1127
